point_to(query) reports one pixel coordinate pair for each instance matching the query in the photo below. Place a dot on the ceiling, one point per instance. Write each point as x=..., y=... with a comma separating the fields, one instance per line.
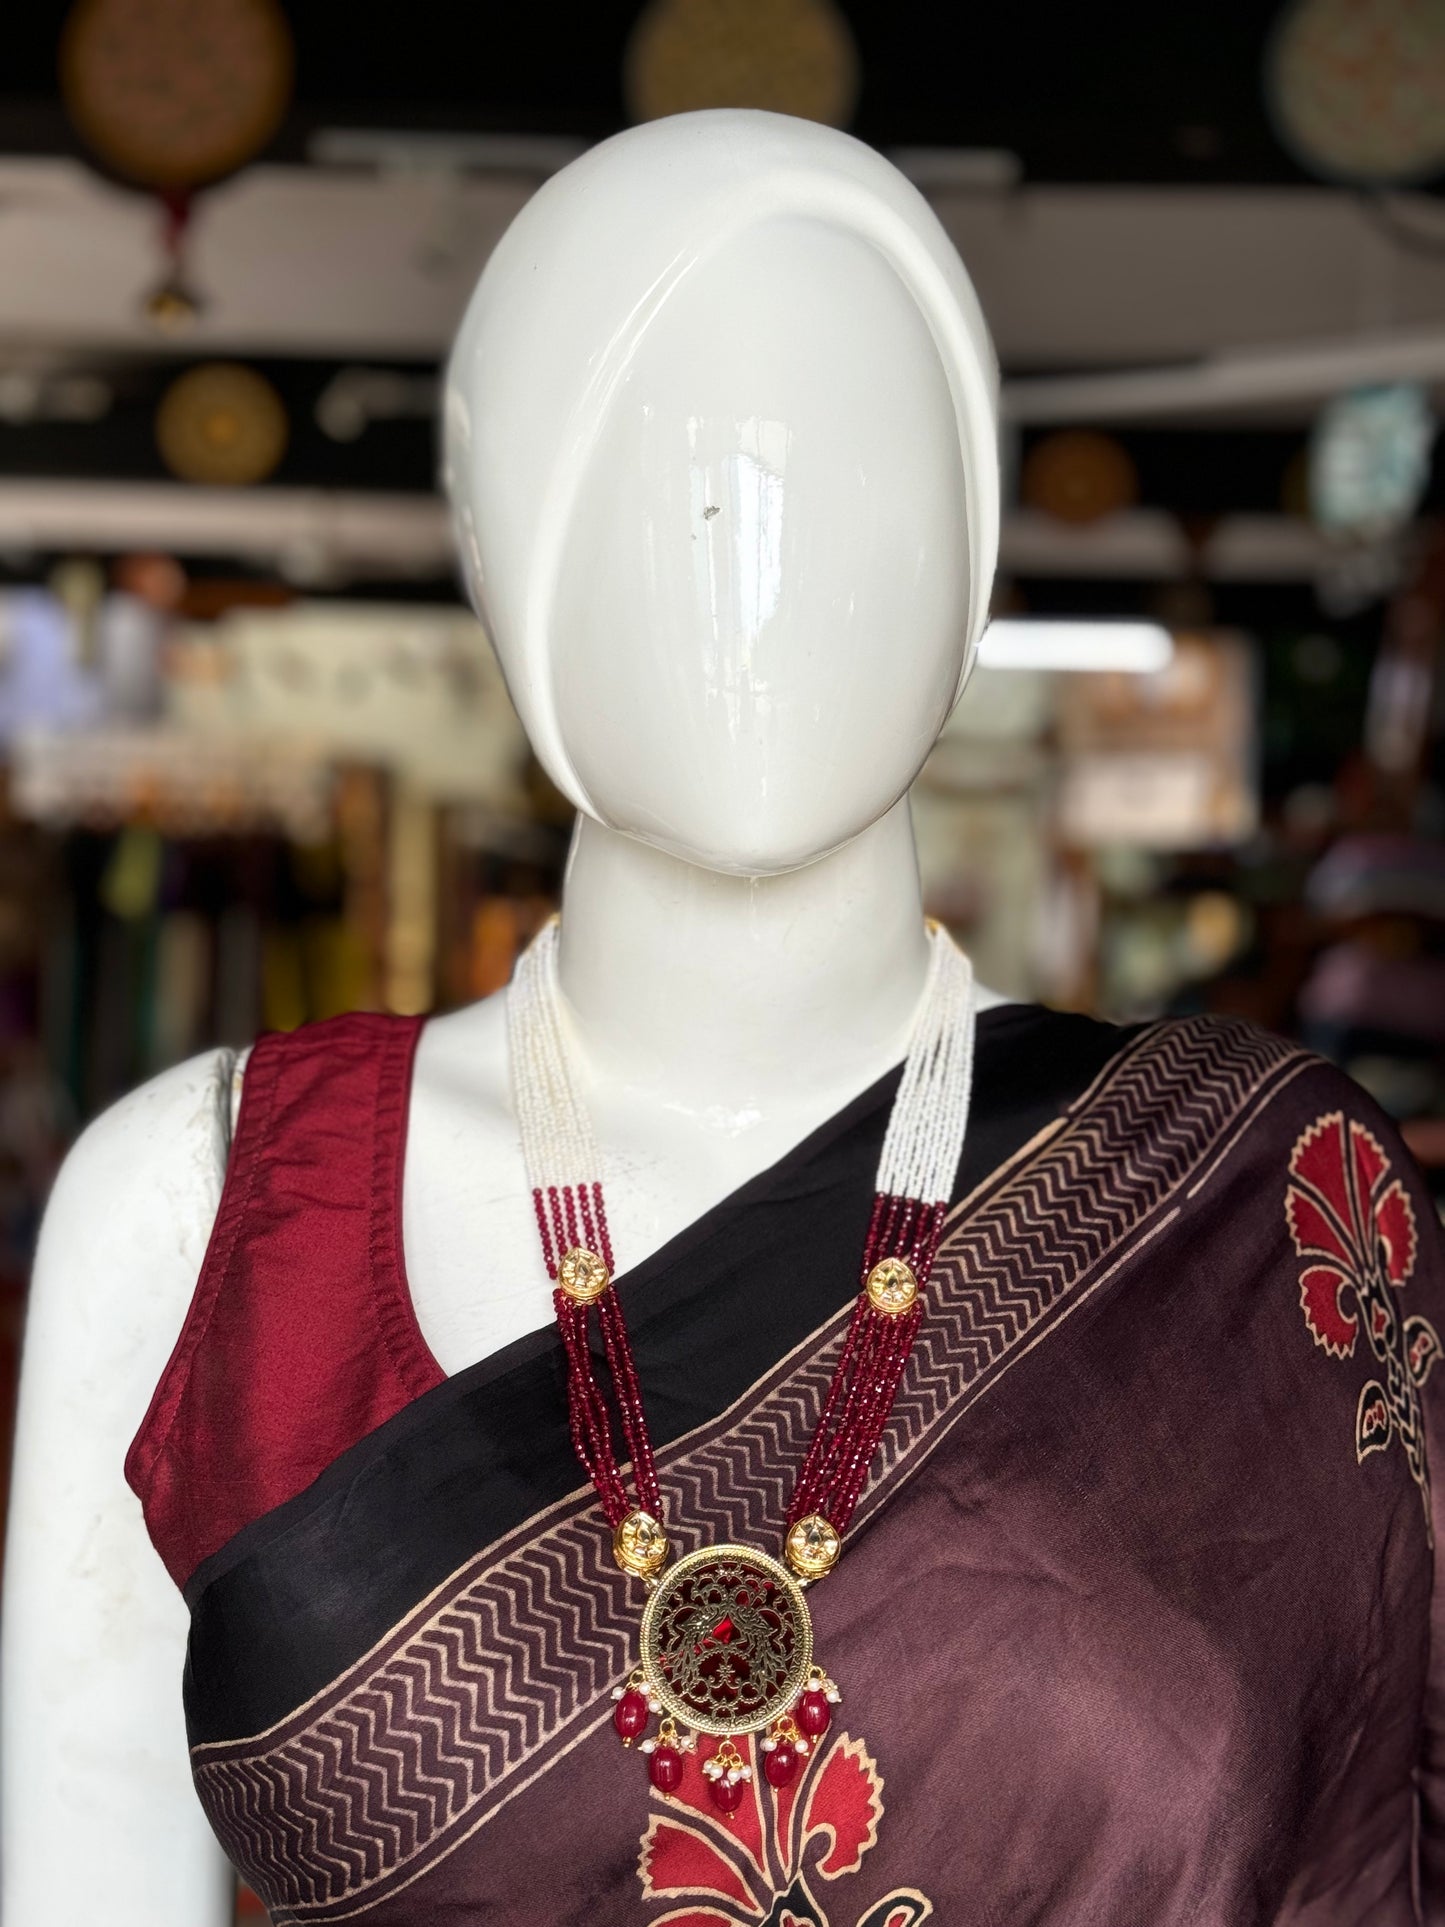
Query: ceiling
x=1151, y=216
x=1138, y=91
x=1149, y=219
x=348, y=261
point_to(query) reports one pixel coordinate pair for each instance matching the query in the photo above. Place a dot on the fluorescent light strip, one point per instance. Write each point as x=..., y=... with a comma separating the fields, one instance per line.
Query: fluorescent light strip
x=1139, y=648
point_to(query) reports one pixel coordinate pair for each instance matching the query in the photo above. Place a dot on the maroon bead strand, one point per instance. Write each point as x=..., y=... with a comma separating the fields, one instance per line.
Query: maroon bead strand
x=875, y=1376
x=629, y=1400
x=569, y=1206
x=552, y=1213
x=570, y=1216
x=894, y=1347
x=588, y=1236
x=594, y=1223
x=860, y=1394
x=870, y=1367
x=587, y=1411
x=559, y=1219
x=811, y=1477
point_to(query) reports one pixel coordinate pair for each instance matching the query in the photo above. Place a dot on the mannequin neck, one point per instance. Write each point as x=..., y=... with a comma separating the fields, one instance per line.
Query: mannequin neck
x=710, y=990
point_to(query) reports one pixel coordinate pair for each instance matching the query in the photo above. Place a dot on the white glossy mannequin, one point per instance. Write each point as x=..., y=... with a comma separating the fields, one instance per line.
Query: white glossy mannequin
x=721, y=446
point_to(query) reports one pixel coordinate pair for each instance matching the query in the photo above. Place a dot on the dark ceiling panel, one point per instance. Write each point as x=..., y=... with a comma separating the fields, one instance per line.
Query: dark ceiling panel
x=1140, y=90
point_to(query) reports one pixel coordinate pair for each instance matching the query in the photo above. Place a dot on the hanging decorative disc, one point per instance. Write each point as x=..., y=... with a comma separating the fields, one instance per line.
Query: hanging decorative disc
x=791, y=56
x=1356, y=88
x=176, y=93
x=727, y=1640
x=221, y=424
x=1079, y=476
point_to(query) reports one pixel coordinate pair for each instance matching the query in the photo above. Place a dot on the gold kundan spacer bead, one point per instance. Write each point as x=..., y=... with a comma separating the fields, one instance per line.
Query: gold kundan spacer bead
x=639, y=1545
x=583, y=1276
x=812, y=1547
x=891, y=1287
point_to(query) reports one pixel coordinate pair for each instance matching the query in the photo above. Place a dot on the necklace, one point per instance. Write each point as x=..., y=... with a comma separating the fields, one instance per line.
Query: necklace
x=726, y=1641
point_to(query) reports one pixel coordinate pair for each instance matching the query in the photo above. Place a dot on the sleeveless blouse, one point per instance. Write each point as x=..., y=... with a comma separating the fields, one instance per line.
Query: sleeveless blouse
x=1138, y=1620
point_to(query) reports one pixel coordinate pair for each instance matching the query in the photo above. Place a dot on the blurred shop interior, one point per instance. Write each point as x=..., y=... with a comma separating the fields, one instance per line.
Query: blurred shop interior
x=257, y=764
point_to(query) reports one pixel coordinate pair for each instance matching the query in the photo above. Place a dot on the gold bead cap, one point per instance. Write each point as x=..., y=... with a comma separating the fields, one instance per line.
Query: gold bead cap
x=639, y=1545
x=812, y=1547
x=582, y=1276
x=892, y=1288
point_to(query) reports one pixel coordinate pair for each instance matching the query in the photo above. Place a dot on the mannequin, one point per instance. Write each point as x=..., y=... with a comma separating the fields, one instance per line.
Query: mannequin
x=744, y=945
x=1133, y=1621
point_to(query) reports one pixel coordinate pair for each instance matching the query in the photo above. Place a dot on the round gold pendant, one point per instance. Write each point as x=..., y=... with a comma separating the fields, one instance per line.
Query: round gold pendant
x=727, y=1640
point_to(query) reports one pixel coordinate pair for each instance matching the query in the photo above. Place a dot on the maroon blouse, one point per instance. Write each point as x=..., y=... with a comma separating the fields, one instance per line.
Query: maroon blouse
x=1135, y=1621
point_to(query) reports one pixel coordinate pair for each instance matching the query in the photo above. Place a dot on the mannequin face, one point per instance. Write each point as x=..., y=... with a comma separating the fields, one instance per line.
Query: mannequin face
x=708, y=466
x=760, y=614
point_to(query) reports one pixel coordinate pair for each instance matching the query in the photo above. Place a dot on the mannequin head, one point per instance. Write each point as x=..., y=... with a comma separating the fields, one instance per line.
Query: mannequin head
x=720, y=443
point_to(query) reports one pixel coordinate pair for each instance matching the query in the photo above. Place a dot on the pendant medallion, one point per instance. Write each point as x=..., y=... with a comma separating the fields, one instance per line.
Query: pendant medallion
x=727, y=1640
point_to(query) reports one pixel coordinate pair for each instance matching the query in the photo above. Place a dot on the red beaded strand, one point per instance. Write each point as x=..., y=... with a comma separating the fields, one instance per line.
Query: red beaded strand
x=629, y=1402
x=860, y=1395
x=870, y=1367
x=569, y=1217
x=558, y=1211
x=587, y=1411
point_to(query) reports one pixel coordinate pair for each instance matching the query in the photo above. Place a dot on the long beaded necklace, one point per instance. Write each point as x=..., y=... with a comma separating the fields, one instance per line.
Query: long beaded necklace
x=726, y=1644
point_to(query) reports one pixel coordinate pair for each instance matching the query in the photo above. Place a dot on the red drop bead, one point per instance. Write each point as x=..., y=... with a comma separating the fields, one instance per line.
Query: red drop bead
x=780, y=1767
x=727, y=1794
x=629, y=1715
x=814, y=1714
x=665, y=1769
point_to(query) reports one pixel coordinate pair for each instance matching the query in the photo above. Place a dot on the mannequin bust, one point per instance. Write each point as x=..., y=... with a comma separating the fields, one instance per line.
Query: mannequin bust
x=1133, y=1618
x=723, y=467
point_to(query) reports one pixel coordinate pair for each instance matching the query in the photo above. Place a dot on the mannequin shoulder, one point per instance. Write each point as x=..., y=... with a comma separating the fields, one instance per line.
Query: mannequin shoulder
x=462, y=1065
x=173, y=1130
x=132, y=1207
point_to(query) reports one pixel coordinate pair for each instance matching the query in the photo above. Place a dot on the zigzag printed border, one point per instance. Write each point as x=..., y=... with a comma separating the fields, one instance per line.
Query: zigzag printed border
x=509, y=1664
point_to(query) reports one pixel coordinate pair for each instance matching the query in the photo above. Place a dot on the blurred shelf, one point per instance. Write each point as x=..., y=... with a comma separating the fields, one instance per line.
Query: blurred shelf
x=179, y=782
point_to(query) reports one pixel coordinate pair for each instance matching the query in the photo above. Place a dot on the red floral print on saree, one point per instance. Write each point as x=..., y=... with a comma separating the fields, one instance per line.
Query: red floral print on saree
x=756, y=1868
x=1351, y=1219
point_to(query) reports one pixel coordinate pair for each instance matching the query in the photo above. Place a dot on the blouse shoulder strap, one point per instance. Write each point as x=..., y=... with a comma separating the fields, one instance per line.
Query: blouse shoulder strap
x=300, y=1338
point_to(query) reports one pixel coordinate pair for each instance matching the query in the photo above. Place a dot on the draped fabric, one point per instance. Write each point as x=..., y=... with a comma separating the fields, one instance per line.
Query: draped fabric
x=1134, y=1622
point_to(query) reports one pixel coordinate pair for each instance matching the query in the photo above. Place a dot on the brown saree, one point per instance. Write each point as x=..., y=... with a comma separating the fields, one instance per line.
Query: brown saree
x=1134, y=1624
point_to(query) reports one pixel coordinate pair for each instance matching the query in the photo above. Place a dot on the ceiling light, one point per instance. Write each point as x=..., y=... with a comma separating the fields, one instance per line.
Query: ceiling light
x=1137, y=648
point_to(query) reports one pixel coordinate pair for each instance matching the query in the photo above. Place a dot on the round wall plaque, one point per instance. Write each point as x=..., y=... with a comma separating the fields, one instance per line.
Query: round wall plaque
x=175, y=93
x=1356, y=88
x=221, y=424
x=790, y=56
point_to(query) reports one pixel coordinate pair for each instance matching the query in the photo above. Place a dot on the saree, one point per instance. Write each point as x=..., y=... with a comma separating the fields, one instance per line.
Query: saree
x=1134, y=1622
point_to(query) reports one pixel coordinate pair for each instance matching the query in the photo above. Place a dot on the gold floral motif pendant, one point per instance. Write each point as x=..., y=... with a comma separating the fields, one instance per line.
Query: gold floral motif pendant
x=727, y=1640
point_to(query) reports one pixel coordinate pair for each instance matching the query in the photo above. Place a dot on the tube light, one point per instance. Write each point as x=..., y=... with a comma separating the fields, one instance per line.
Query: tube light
x=1138, y=648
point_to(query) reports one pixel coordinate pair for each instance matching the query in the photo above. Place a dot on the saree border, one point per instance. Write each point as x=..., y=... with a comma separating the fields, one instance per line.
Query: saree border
x=509, y=1663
